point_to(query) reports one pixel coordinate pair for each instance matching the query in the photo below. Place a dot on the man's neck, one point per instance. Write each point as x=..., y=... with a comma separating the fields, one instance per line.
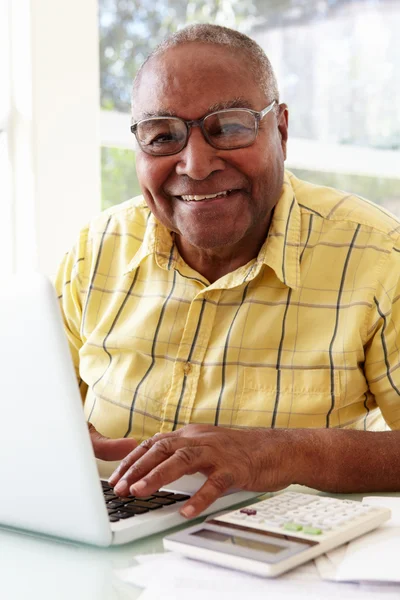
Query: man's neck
x=214, y=263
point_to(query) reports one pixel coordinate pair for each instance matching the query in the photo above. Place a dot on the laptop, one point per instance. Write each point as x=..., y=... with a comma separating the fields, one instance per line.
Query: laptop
x=50, y=480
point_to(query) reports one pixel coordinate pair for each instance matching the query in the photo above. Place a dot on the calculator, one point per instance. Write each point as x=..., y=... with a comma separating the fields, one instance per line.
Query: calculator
x=274, y=535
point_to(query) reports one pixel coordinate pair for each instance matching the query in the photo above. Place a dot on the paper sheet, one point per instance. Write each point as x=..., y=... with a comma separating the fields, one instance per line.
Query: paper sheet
x=373, y=556
x=172, y=577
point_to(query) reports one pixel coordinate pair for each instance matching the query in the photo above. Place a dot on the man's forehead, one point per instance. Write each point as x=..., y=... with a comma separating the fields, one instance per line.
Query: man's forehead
x=189, y=81
x=171, y=111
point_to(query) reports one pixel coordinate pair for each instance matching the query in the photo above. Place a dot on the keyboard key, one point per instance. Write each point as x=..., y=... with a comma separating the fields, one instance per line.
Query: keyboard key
x=125, y=499
x=123, y=514
x=113, y=518
x=135, y=510
x=163, y=501
x=148, y=505
x=142, y=498
x=179, y=497
x=162, y=494
x=113, y=504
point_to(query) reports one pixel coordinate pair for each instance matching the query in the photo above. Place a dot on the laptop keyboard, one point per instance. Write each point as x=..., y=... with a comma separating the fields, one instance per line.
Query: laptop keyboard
x=127, y=507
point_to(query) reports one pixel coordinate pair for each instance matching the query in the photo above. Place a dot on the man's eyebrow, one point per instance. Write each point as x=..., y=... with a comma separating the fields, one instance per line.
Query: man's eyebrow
x=157, y=113
x=235, y=103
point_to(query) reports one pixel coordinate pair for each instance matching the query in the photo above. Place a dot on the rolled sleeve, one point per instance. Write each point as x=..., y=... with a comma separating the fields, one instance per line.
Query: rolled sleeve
x=382, y=356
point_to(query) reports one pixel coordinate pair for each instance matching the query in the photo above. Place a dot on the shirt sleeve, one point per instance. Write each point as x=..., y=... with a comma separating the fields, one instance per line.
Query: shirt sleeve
x=70, y=283
x=382, y=353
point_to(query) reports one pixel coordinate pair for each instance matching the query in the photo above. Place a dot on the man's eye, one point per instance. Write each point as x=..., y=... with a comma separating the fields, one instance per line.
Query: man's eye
x=229, y=129
x=164, y=138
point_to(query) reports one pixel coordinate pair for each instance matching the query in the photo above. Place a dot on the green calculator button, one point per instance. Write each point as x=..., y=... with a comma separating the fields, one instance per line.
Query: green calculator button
x=312, y=530
x=293, y=527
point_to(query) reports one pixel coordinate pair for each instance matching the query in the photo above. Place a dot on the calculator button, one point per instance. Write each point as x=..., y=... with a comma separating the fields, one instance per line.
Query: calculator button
x=275, y=519
x=312, y=530
x=327, y=501
x=304, y=522
x=302, y=501
x=293, y=527
x=338, y=522
x=248, y=511
x=238, y=516
x=278, y=511
x=268, y=523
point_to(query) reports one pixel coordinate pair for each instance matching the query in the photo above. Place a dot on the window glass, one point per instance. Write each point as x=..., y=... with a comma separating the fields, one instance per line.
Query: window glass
x=118, y=176
x=337, y=64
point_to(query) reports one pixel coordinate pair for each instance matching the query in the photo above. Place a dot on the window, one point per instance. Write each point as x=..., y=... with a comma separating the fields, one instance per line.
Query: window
x=49, y=113
x=337, y=64
x=6, y=239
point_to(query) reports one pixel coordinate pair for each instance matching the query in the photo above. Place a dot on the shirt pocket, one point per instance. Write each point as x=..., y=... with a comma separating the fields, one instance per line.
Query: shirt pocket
x=289, y=398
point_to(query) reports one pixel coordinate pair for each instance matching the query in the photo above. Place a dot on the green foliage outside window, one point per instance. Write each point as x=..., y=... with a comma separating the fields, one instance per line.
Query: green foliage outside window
x=345, y=91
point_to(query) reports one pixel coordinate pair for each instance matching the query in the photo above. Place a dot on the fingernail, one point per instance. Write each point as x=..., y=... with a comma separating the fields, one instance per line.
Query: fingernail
x=137, y=487
x=188, y=511
x=112, y=479
x=121, y=487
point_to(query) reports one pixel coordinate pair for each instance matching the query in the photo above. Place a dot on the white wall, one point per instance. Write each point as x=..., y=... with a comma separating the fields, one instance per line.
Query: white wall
x=53, y=127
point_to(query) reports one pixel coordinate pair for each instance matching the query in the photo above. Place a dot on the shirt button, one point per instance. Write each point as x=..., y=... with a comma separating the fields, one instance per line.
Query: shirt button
x=187, y=367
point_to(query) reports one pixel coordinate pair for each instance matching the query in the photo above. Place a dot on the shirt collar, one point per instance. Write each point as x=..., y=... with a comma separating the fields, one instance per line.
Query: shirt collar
x=281, y=250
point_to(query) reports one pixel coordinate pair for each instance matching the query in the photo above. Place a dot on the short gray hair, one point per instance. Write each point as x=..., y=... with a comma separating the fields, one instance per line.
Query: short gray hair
x=207, y=33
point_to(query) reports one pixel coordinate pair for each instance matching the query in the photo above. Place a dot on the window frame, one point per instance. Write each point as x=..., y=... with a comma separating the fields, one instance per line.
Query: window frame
x=307, y=154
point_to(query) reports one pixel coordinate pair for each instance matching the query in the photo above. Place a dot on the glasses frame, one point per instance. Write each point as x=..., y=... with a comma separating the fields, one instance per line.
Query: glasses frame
x=259, y=115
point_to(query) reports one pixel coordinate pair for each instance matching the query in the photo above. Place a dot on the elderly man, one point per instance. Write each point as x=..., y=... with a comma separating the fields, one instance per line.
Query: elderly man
x=234, y=320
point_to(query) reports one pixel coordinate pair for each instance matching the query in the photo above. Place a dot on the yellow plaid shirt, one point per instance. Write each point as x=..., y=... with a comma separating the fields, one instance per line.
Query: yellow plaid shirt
x=304, y=335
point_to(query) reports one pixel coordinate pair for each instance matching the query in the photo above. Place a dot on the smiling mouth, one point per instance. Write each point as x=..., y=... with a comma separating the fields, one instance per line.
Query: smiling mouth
x=204, y=197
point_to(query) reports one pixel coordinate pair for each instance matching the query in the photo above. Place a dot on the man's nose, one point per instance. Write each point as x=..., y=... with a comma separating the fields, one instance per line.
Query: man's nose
x=198, y=159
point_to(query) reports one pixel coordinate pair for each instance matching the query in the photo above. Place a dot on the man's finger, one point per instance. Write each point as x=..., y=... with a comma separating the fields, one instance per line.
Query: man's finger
x=133, y=457
x=109, y=449
x=128, y=461
x=169, y=470
x=139, y=463
x=215, y=486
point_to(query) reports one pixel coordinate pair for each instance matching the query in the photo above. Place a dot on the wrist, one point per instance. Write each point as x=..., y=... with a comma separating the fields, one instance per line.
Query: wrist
x=310, y=461
x=290, y=456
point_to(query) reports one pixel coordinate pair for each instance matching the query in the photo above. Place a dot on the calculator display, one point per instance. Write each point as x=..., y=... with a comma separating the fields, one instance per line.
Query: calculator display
x=237, y=540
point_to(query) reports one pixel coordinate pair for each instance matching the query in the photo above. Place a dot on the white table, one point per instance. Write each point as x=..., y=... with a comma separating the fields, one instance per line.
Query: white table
x=32, y=567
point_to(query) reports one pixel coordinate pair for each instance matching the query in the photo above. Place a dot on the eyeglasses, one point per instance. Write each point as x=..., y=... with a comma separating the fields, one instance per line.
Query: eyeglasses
x=225, y=129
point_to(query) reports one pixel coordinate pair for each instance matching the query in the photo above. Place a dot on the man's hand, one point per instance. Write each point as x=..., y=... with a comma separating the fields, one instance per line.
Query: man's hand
x=108, y=449
x=257, y=460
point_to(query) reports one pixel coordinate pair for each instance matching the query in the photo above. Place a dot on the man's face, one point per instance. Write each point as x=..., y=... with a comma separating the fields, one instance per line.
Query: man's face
x=190, y=81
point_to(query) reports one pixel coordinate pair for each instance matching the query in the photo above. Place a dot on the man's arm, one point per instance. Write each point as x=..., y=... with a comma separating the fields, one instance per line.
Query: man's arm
x=262, y=460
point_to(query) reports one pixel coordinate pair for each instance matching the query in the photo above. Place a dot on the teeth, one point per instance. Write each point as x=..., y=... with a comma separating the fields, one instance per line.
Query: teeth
x=198, y=198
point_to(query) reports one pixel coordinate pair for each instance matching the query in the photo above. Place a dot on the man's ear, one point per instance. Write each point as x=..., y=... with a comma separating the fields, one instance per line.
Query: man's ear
x=283, y=125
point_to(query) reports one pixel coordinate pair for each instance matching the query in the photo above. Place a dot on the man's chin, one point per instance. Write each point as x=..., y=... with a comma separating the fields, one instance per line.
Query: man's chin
x=211, y=240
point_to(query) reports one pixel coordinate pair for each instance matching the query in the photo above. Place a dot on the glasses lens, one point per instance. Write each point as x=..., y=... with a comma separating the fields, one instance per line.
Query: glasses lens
x=231, y=128
x=161, y=135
